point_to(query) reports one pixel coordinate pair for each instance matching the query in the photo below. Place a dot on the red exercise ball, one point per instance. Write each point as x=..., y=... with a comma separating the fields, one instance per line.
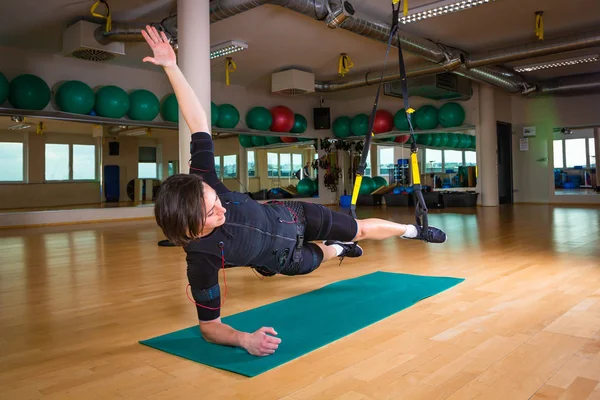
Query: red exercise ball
x=401, y=139
x=384, y=121
x=283, y=119
x=289, y=139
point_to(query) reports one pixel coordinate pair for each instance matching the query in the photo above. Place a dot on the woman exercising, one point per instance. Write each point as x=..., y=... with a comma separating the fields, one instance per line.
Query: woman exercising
x=219, y=228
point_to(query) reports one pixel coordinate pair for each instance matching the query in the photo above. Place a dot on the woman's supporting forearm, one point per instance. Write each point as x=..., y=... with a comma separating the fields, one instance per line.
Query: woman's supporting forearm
x=223, y=334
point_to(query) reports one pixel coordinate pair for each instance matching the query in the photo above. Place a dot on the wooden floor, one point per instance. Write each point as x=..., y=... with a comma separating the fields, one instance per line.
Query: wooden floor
x=525, y=324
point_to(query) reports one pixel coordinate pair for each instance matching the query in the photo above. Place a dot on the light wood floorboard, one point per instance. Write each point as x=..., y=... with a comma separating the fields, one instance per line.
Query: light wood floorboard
x=525, y=324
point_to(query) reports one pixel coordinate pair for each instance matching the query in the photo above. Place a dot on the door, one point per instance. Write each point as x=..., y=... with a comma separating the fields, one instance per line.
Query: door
x=505, y=181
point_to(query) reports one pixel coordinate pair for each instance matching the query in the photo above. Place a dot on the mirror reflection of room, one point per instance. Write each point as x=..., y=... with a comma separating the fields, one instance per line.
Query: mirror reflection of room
x=53, y=164
x=574, y=153
x=282, y=172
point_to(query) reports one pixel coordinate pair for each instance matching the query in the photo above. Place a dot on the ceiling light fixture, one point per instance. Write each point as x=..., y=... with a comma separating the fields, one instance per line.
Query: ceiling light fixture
x=136, y=132
x=226, y=48
x=558, y=63
x=440, y=8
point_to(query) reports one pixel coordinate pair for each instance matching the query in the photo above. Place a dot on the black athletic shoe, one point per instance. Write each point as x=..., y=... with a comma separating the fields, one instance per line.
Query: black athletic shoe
x=433, y=235
x=351, y=249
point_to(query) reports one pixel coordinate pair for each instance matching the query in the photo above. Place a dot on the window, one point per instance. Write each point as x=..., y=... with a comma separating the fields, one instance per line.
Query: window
x=84, y=162
x=571, y=153
x=229, y=166
x=592, y=147
x=218, y=166
x=226, y=166
x=147, y=166
x=283, y=164
x=173, y=167
x=297, y=163
x=453, y=159
x=448, y=160
x=57, y=162
x=470, y=158
x=273, y=165
x=251, y=164
x=433, y=160
x=575, y=154
x=70, y=162
x=386, y=160
x=558, y=153
x=11, y=162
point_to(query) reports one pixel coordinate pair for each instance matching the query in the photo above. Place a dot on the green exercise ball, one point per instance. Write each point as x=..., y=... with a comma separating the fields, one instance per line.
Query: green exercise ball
x=426, y=117
x=341, y=127
x=214, y=114
x=229, y=116
x=379, y=182
x=3, y=88
x=245, y=140
x=436, y=139
x=451, y=114
x=359, y=125
x=300, y=124
x=400, y=120
x=306, y=186
x=259, y=140
x=273, y=139
x=443, y=139
x=464, y=141
x=473, y=142
x=259, y=118
x=112, y=102
x=424, y=139
x=367, y=185
x=143, y=105
x=169, y=110
x=75, y=97
x=452, y=140
x=29, y=92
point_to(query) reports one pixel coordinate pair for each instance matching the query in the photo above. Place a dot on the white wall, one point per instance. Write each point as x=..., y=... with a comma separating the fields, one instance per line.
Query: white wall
x=533, y=169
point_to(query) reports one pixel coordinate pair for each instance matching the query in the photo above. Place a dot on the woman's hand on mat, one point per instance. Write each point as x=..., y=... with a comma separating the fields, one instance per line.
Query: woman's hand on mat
x=164, y=55
x=261, y=343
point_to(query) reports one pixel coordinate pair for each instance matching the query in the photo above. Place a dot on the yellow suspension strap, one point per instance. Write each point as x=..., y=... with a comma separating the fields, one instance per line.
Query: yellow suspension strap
x=360, y=171
x=421, y=208
x=539, y=25
x=107, y=17
x=344, y=64
x=229, y=67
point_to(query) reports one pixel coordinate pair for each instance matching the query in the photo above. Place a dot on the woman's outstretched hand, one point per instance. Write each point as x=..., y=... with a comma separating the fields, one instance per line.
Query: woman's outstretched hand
x=164, y=55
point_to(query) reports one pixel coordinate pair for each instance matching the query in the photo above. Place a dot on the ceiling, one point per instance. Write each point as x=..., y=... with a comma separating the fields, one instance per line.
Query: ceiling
x=280, y=38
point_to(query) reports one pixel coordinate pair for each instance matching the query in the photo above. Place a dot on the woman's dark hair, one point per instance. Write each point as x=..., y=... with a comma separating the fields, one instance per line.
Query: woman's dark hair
x=179, y=208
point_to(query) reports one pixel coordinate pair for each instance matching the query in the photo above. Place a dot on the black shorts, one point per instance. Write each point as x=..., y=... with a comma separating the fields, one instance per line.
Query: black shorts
x=323, y=223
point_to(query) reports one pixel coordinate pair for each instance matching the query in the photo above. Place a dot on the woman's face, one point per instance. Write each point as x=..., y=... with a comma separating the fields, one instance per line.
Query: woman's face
x=215, y=212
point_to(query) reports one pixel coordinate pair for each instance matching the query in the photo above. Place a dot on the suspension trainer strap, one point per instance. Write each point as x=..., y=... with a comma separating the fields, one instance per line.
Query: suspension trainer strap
x=365, y=154
x=421, y=208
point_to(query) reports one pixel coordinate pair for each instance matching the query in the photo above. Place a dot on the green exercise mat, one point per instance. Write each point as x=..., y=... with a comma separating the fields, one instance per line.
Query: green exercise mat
x=307, y=321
